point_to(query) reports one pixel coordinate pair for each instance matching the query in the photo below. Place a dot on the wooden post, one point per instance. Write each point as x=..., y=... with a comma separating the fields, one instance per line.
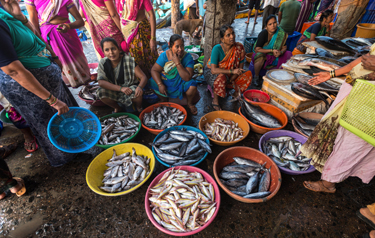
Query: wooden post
x=175, y=12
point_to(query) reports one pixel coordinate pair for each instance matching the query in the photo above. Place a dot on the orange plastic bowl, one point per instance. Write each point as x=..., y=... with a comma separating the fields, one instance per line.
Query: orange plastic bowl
x=150, y=108
x=226, y=115
x=258, y=94
x=226, y=157
x=273, y=111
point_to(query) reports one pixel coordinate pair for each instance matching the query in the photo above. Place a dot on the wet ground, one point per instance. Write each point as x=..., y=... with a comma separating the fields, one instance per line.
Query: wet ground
x=58, y=202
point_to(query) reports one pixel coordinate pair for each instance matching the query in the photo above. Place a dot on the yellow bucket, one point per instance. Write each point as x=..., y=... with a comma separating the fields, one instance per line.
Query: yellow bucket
x=95, y=171
x=359, y=111
x=365, y=30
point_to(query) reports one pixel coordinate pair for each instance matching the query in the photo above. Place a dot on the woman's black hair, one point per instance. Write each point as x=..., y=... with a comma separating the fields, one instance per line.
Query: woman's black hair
x=269, y=18
x=174, y=38
x=325, y=14
x=223, y=29
x=108, y=39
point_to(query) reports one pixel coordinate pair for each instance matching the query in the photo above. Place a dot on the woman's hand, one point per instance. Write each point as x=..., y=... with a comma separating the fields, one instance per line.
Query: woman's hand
x=126, y=90
x=320, y=78
x=368, y=62
x=13, y=8
x=175, y=58
x=138, y=92
x=163, y=89
x=153, y=46
x=276, y=53
x=58, y=62
x=238, y=71
x=61, y=107
x=63, y=28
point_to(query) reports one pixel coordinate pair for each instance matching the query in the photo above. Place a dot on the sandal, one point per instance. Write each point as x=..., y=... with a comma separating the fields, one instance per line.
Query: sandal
x=29, y=144
x=7, y=150
x=22, y=191
x=365, y=219
x=193, y=109
x=322, y=188
x=216, y=105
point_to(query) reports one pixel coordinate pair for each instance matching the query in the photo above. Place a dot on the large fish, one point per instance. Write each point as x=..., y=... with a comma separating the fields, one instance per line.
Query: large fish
x=260, y=116
x=333, y=44
x=304, y=78
x=303, y=57
x=313, y=70
x=319, y=63
x=308, y=92
x=324, y=53
x=347, y=59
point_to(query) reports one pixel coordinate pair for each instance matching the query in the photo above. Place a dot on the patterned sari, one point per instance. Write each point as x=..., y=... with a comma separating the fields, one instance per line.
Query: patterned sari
x=277, y=42
x=232, y=60
x=67, y=46
x=101, y=24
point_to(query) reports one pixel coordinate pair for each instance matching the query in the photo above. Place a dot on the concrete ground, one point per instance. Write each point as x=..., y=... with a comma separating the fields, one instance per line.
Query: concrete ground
x=58, y=202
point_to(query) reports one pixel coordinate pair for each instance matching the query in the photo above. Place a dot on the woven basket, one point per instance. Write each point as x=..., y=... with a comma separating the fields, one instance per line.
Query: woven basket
x=358, y=115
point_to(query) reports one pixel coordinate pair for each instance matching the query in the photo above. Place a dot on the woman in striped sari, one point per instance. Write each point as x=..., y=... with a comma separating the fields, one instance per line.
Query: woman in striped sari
x=306, y=9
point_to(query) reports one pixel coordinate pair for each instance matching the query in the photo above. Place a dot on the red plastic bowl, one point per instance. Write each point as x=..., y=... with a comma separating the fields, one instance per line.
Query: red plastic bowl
x=190, y=169
x=93, y=66
x=168, y=104
x=97, y=103
x=258, y=94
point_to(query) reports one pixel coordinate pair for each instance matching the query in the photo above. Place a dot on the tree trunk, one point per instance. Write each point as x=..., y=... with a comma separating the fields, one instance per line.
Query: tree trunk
x=218, y=13
x=175, y=12
x=349, y=13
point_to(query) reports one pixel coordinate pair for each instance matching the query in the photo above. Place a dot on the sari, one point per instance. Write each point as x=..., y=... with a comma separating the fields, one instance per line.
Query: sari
x=67, y=46
x=100, y=24
x=306, y=9
x=332, y=145
x=277, y=42
x=232, y=60
x=176, y=86
x=137, y=35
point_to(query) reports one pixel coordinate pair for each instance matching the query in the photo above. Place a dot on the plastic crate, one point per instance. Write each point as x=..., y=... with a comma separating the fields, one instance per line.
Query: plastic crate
x=292, y=40
x=248, y=46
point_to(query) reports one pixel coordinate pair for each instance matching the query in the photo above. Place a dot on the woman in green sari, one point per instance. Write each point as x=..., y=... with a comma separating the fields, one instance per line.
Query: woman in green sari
x=270, y=49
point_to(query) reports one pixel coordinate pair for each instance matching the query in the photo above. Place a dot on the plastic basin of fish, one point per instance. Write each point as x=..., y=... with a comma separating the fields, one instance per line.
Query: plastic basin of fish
x=150, y=108
x=179, y=128
x=190, y=169
x=118, y=115
x=95, y=103
x=93, y=66
x=95, y=171
x=258, y=94
x=226, y=115
x=297, y=137
x=226, y=157
x=273, y=111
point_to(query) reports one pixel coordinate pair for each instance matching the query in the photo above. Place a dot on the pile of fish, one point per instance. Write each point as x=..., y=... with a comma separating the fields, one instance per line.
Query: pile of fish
x=306, y=91
x=333, y=44
x=117, y=129
x=163, y=117
x=325, y=86
x=125, y=171
x=88, y=92
x=182, y=201
x=223, y=130
x=257, y=116
x=305, y=125
x=319, y=63
x=285, y=152
x=246, y=178
x=181, y=147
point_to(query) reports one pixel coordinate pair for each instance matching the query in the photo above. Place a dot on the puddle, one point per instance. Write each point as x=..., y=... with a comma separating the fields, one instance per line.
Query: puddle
x=27, y=228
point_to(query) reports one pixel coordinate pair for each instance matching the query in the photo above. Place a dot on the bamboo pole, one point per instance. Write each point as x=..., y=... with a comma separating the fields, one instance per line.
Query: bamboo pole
x=175, y=12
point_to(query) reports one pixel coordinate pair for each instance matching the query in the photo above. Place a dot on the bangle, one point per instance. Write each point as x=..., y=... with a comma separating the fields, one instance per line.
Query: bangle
x=50, y=95
x=25, y=21
x=159, y=84
x=55, y=57
x=230, y=71
x=153, y=37
x=334, y=73
x=53, y=101
x=54, y=104
x=120, y=88
x=140, y=87
x=178, y=64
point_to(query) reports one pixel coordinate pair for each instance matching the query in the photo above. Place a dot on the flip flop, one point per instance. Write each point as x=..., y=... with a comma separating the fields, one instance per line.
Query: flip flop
x=365, y=219
x=322, y=188
x=216, y=105
x=22, y=191
x=31, y=143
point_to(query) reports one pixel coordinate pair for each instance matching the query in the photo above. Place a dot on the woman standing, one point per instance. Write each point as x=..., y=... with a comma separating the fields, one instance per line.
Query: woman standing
x=336, y=152
x=103, y=22
x=306, y=9
x=139, y=32
x=225, y=67
x=28, y=79
x=60, y=33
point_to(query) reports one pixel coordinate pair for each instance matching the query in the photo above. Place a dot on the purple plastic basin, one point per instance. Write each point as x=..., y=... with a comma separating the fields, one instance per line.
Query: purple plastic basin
x=297, y=137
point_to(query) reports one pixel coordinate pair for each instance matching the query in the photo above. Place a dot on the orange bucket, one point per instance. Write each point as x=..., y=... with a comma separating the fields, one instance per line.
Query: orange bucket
x=365, y=30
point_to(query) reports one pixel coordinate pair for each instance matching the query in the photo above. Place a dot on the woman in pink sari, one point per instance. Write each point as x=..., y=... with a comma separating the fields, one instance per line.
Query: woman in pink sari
x=139, y=30
x=51, y=19
x=103, y=21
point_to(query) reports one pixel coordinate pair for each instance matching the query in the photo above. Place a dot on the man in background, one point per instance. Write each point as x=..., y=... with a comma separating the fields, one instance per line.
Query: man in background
x=270, y=8
x=253, y=4
x=288, y=15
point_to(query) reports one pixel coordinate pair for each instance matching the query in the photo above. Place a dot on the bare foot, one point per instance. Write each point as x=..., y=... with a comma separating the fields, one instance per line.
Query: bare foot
x=319, y=186
x=30, y=143
x=255, y=23
x=246, y=22
x=193, y=109
x=366, y=213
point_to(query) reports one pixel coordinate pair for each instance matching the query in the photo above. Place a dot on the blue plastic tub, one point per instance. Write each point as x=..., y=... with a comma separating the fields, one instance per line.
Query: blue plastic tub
x=179, y=128
x=292, y=40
